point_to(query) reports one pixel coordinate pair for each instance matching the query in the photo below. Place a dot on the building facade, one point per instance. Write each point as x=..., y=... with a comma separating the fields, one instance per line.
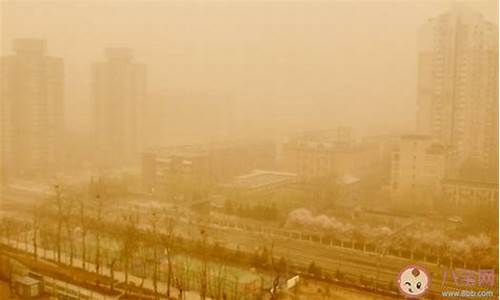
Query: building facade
x=32, y=111
x=260, y=182
x=418, y=165
x=119, y=92
x=463, y=194
x=205, y=163
x=324, y=154
x=458, y=85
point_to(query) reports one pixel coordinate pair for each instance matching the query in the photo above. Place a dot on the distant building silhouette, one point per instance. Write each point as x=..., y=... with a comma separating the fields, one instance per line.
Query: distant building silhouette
x=458, y=85
x=32, y=112
x=466, y=194
x=321, y=154
x=204, y=163
x=119, y=90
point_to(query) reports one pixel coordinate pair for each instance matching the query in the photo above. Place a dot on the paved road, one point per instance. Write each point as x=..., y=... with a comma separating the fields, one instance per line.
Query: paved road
x=330, y=258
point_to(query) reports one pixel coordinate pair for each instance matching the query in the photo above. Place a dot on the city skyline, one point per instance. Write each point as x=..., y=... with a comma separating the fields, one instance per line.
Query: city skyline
x=249, y=150
x=176, y=62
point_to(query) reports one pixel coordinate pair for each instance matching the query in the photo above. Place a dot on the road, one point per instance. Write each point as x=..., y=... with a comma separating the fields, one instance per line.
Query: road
x=353, y=263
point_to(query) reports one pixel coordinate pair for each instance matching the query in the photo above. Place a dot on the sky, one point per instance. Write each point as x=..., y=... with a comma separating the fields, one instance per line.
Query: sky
x=305, y=63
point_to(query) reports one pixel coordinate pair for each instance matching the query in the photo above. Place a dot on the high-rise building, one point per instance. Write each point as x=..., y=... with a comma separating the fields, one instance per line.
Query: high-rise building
x=32, y=112
x=458, y=85
x=119, y=91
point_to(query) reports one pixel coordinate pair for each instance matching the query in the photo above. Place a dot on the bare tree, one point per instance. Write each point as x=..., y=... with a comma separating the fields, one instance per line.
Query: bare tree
x=8, y=229
x=98, y=222
x=204, y=265
x=36, y=227
x=46, y=237
x=83, y=231
x=277, y=273
x=218, y=281
x=69, y=225
x=155, y=237
x=129, y=244
x=143, y=258
x=59, y=207
x=183, y=274
x=26, y=227
x=269, y=257
x=114, y=257
x=168, y=244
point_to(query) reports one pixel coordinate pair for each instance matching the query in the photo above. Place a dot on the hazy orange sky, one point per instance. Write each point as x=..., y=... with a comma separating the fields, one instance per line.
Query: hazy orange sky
x=323, y=62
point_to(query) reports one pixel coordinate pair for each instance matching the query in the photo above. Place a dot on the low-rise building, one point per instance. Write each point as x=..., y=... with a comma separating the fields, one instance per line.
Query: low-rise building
x=206, y=163
x=349, y=191
x=261, y=182
x=324, y=154
x=417, y=163
x=27, y=287
x=462, y=194
x=257, y=194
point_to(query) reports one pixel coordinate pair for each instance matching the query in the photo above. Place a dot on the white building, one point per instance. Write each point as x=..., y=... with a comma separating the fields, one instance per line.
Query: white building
x=418, y=164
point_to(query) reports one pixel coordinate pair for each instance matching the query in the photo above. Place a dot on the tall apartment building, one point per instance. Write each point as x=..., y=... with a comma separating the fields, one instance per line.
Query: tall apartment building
x=458, y=85
x=32, y=112
x=119, y=91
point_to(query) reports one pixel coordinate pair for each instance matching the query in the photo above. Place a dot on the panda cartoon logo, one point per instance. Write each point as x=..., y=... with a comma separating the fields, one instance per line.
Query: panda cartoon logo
x=413, y=281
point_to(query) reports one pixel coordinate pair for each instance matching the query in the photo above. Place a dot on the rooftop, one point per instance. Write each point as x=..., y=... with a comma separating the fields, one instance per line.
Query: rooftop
x=25, y=280
x=415, y=137
x=436, y=149
x=261, y=178
x=195, y=150
x=30, y=45
x=119, y=54
x=347, y=180
x=471, y=183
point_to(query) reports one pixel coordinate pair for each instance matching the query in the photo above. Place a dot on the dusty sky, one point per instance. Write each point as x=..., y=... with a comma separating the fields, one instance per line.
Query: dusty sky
x=319, y=62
